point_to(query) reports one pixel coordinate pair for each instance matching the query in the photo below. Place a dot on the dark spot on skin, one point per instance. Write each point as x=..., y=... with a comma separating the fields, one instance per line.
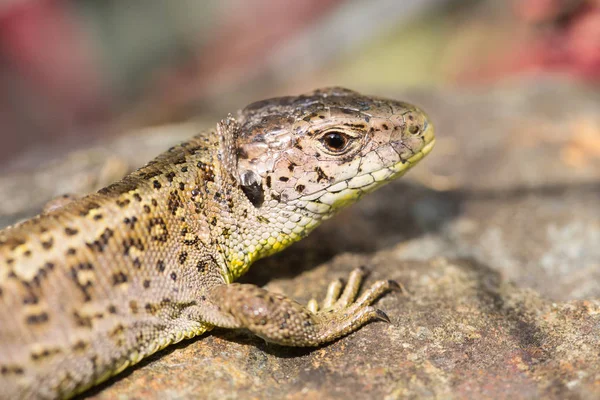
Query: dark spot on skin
x=213, y=221
x=183, y=169
x=71, y=231
x=181, y=186
x=83, y=321
x=201, y=267
x=98, y=217
x=119, y=278
x=262, y=219
x=298, y=146
x=154, y=202
x=151, y=308
x=137, y=263
x=80, y=346
x=130, y=222
x=170, y=176
x=183, y=257
x=137, y=197
x=291, y=167
x=118, y=330
x=147, y=209
x=123, y=203
x=275, y=196
x=321, y=175
x=11, y=370
x=193, y=150
x=284, y=178
x=191, y=242
x=45, y=353
x=71, y=251
x=34, y=319
x=132, y=242
x=27, y=253
x=226, y=233
x=179, y=159
x=112, y=309
x=10, y=261
x=195, y=192
x=47, y=245
x=49, y=266
x=133, y=306
x=99, y=244
x=30, y=299
x=163, y=234
x=147, y=175
x=385, y=126
x=300, y=188
x=173, y=276
x=174, y=203
x=146, y=284
x=268, y=181
x=160, y=265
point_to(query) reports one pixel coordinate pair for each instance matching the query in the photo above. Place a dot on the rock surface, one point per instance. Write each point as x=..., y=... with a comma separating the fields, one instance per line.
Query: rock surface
x=498, y=248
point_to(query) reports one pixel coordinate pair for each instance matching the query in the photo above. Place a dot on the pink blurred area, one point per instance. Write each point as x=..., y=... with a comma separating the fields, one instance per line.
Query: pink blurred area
x=70, y=68
x=48, y=72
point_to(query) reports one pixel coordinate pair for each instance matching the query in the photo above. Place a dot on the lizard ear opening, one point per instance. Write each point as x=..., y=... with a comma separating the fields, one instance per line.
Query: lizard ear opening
x=252, y=187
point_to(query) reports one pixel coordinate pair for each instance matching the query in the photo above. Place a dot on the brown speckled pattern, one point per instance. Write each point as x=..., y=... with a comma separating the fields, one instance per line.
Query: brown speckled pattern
x=96, y=284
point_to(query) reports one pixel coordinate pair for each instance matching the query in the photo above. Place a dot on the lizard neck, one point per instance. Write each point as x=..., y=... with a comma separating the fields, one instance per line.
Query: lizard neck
x=265, y=231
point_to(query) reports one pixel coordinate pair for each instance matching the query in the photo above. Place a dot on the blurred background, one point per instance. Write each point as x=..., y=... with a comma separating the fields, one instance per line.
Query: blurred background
x=72, y=72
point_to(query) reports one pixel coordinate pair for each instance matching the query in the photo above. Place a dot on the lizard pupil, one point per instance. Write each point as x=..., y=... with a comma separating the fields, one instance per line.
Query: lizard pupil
x=335, y=141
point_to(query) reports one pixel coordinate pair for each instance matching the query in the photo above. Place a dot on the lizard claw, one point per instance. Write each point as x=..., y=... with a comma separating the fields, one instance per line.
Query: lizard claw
x=381, y=316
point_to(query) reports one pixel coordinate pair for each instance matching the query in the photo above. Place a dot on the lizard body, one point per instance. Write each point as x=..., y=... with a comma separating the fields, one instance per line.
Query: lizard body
x=94, y=285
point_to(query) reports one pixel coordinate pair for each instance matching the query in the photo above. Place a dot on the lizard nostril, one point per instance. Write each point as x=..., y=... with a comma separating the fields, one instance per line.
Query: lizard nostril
x=414, y=129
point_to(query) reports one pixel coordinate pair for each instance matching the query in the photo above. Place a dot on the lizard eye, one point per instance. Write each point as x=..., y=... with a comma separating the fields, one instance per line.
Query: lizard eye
x=335, y=142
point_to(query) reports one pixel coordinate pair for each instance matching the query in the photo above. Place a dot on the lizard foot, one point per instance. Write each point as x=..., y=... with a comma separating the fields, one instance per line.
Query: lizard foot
x=281, y=320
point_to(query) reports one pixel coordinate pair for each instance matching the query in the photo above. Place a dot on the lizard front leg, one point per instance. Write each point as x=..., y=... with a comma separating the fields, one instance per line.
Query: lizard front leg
x=278, y=319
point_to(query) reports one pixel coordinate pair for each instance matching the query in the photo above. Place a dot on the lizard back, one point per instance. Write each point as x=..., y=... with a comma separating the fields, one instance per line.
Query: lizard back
x=92, y=287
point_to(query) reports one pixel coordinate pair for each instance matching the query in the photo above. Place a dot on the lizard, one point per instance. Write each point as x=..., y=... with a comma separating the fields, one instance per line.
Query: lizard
x=93, y=285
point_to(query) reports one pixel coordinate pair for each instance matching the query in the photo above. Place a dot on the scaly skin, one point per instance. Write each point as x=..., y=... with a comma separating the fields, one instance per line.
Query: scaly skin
x=92, y=286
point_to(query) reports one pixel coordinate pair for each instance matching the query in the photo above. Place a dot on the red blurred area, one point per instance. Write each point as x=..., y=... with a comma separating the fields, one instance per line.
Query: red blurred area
x=563, y=37
x=572, y=42
x=41, y=40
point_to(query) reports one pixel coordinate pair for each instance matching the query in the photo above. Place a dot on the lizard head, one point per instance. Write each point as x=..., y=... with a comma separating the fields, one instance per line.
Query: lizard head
x=323, y=150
